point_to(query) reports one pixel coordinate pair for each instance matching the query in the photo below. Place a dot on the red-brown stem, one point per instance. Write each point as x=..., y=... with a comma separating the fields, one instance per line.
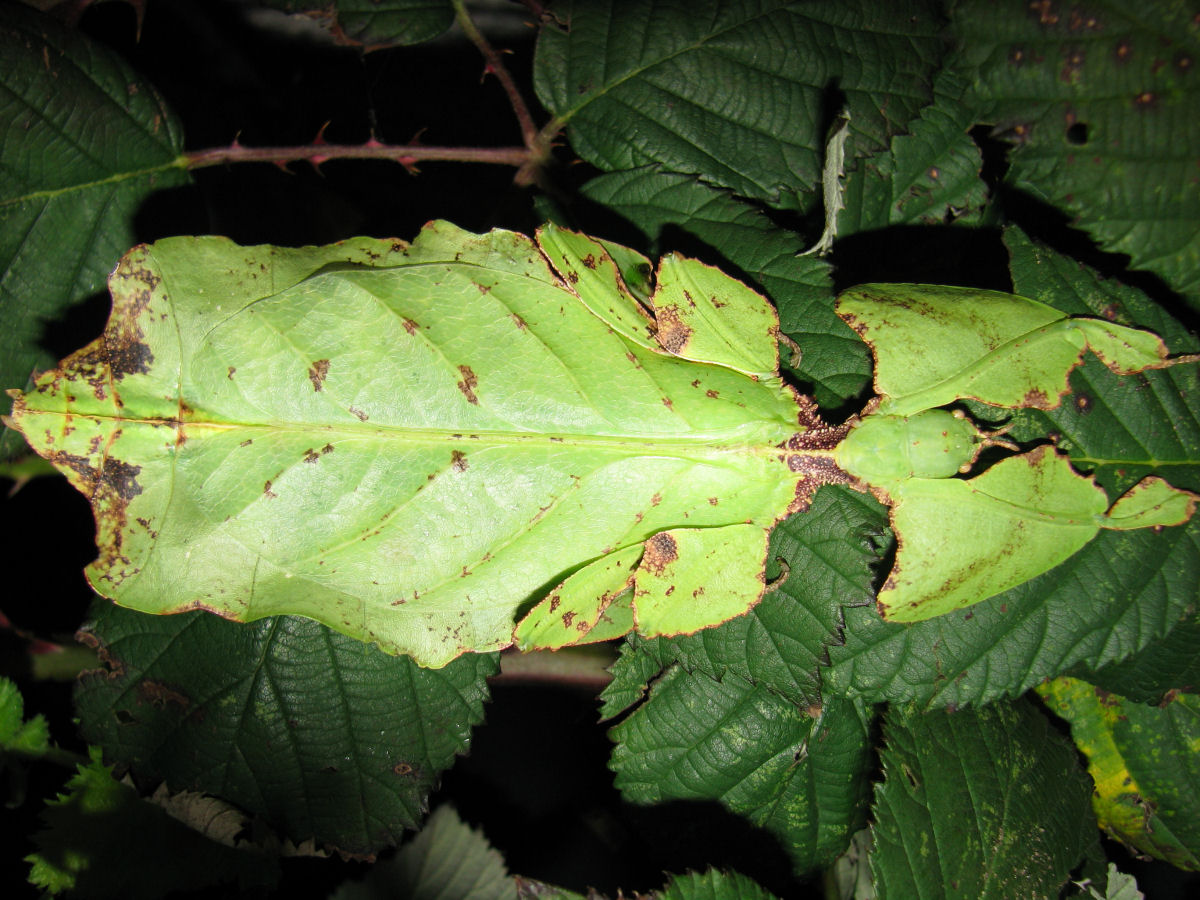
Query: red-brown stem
x=529, y=131
x=316, y=154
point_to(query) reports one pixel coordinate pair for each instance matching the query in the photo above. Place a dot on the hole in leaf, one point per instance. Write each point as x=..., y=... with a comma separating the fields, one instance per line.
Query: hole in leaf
x=1077, y=134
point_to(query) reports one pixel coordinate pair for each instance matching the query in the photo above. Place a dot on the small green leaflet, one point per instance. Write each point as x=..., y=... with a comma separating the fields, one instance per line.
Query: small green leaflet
x=962, y=541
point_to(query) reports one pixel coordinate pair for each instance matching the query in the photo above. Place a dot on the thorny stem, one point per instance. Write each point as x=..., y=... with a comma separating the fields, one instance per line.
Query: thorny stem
x=495, y=65
x=527, y=159
x=405, y=154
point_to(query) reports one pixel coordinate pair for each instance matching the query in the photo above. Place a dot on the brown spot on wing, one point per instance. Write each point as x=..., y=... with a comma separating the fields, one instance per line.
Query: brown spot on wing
x=661, y=551
x=468, y=384
x=317, y=372
x=672, y=334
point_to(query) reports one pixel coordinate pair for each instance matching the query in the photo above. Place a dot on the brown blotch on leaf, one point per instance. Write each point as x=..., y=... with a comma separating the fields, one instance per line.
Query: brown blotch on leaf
x=1083, y=402
x=409, y=325
x=468, y=384
x=1146, y=100
x=458, y=461
x=661, y=551
x=712, y=394
x=110, y=487
x=567, y=618
x=232, y=369
x=1037, y=399
x=518, y=321
x=267, y=492
x=160, y=695
x=311, y=455
x=317, y=372
x=1044, y=11
x=402, y=769
x=589, y=261
x=357, y=413
x=672, y=333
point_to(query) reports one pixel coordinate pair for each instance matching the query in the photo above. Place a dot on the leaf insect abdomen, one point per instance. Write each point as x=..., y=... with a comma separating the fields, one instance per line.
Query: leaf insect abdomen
x=884, y=449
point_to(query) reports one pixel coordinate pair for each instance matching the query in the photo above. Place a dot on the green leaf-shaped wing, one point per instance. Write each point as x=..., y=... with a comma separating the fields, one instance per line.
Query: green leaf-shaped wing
x=409, y=443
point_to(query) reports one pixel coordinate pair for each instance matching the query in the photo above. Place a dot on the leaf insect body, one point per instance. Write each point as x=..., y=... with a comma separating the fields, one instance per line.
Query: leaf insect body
x=628, y=482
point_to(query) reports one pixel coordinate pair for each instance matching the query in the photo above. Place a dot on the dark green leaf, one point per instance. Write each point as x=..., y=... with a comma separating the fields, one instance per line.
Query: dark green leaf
x=781, y=642
x=447, y=860
x=713, y=885
x=744, y=241
x=1099, y=101
x=929, y=176
x=801, y=778
x=319, y=734
x=103, y=841
x=980, y=804
x=734, y=92
x=375, y=23
x=1168, y=664
x=85, y=142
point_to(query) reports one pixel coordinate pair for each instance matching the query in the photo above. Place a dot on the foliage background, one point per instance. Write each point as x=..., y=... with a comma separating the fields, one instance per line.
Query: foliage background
x=1068, y=113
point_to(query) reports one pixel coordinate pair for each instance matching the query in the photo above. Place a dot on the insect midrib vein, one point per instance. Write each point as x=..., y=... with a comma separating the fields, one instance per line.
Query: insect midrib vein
x=732, y=440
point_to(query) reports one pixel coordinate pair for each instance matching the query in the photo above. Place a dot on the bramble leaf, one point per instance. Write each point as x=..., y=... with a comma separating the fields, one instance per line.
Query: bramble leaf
x=988, y=804
x=86, y=141
x=803, y=778
x=1098, y=101
x=633, y=84
x=375, y=23
x=1143, y=762
x=317, y=734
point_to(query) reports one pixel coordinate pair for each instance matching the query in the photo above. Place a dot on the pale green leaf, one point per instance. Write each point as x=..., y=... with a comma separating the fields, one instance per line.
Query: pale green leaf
x=18, y=735
x=934, y=345
x=741, y=239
